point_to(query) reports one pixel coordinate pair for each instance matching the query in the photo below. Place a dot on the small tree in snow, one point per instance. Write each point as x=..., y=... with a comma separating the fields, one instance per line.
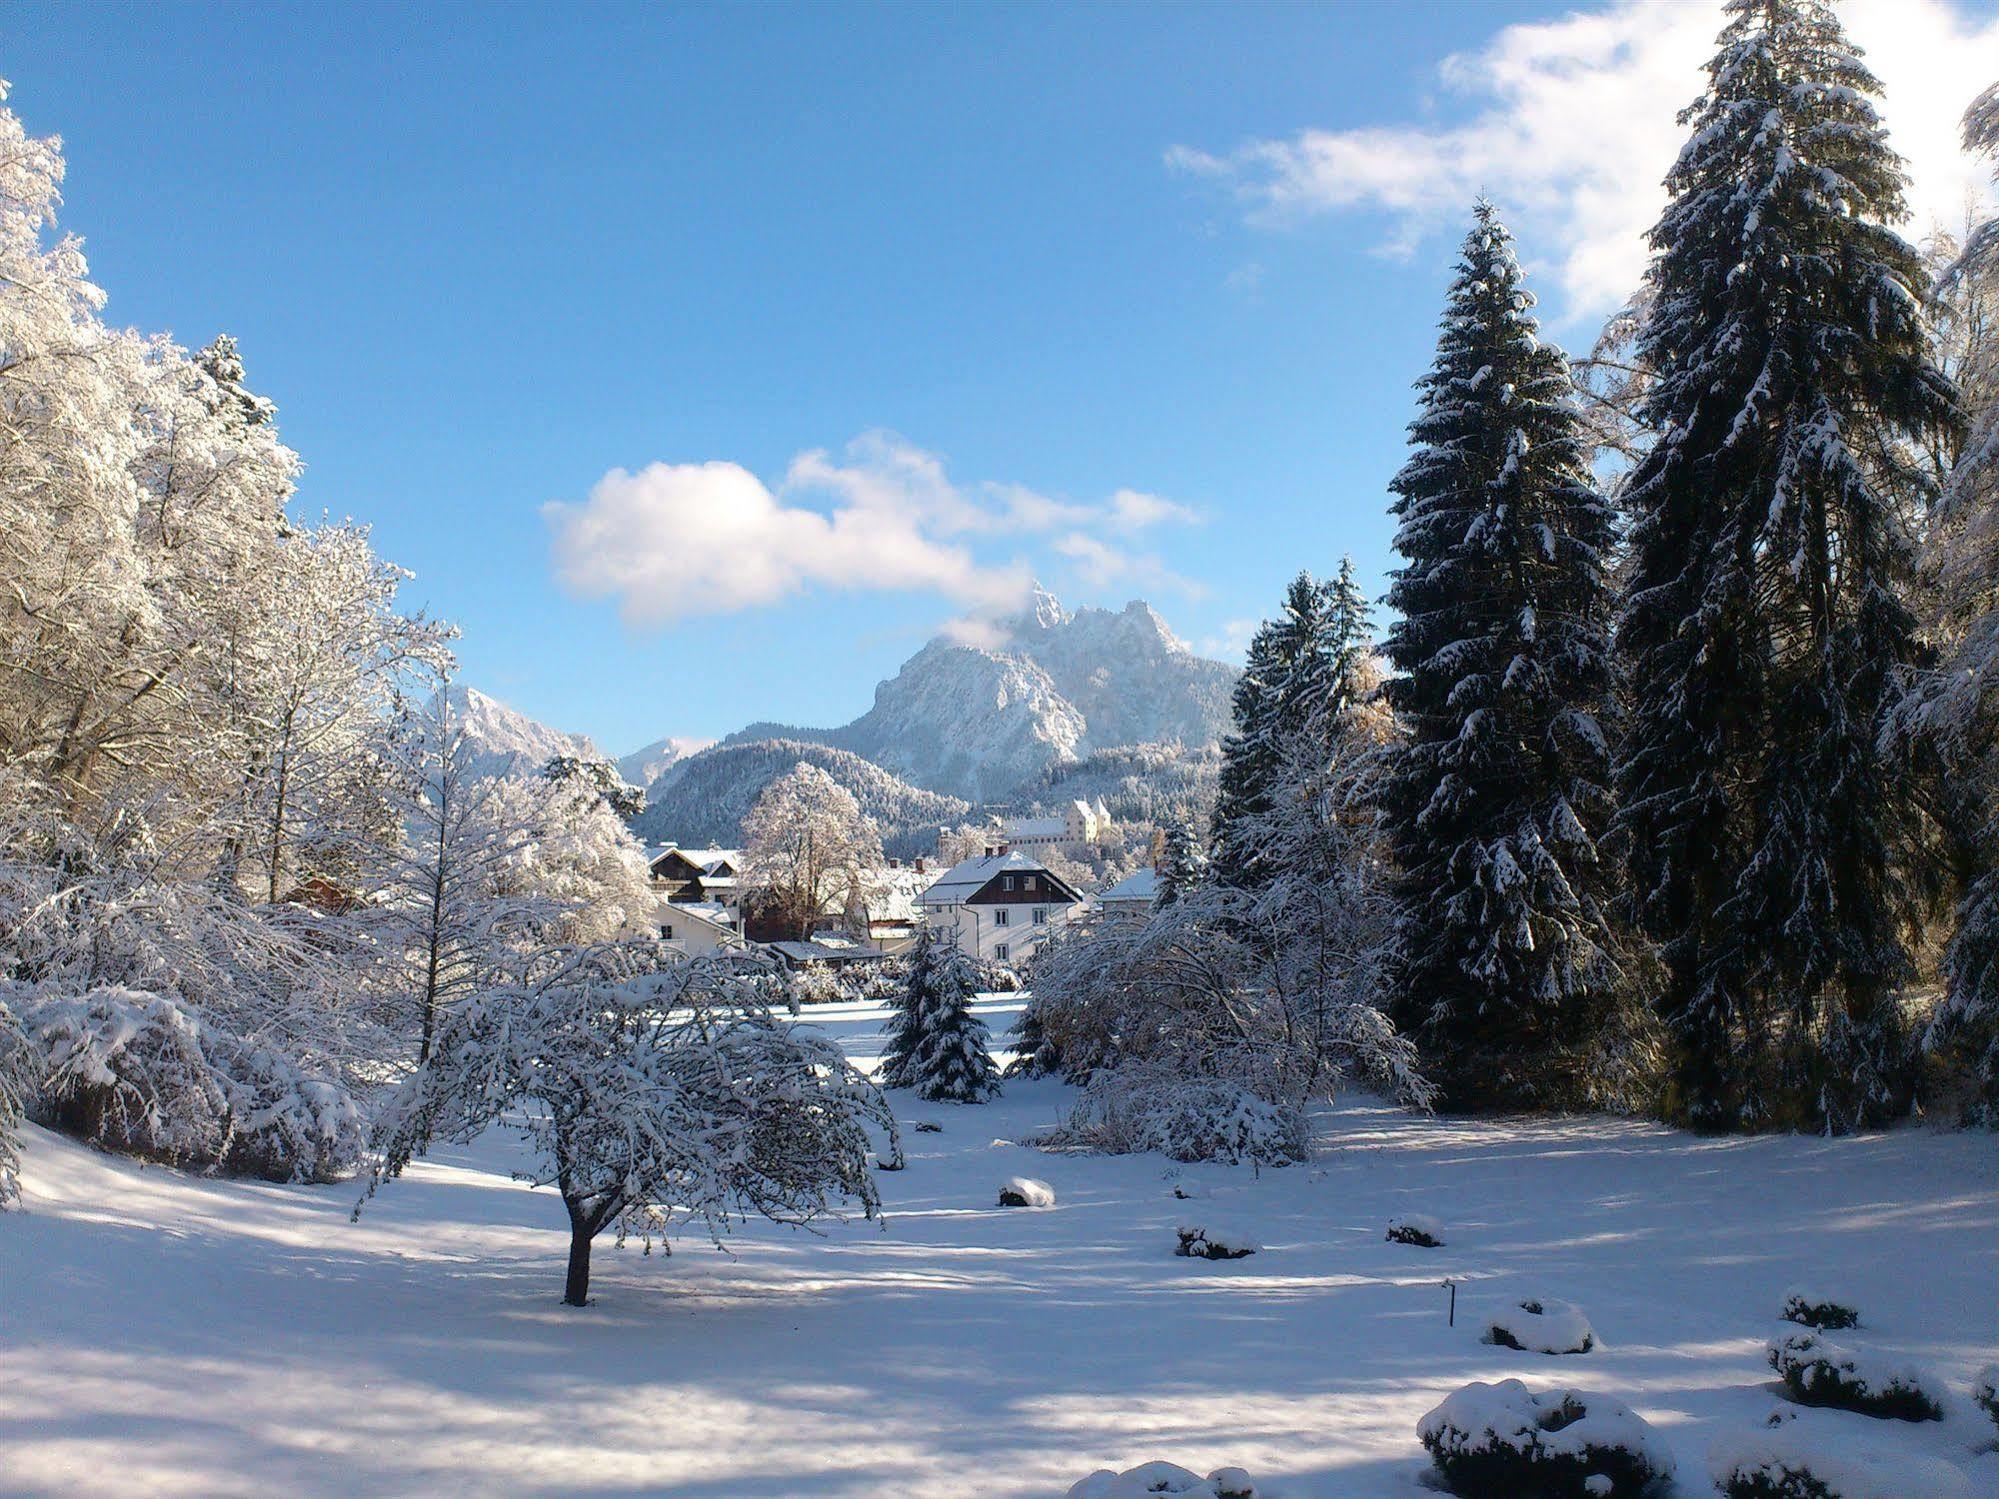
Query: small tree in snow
x=652, y=1091
x=938, y=1046
x=807, y=843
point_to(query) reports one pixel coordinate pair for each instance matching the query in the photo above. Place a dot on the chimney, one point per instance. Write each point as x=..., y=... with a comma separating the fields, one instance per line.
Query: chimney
x=922, y=865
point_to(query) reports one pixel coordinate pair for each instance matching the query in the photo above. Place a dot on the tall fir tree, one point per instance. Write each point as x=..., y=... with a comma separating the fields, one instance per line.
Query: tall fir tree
x=1764, y=609
x=1183, y=867
x=1289, y=674
x=1496, y=800
x=937, y=1045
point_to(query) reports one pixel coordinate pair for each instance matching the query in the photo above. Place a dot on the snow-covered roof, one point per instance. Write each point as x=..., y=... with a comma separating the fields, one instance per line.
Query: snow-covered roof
x=1139, y=885
x=1036, y=827
x=707, y=860
x=961, y=882
x=820, y=951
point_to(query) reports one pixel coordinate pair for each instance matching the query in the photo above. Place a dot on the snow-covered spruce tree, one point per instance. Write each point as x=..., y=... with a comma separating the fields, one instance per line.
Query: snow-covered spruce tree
x=652, y=1090
x=1289, y=671
x=1185, y=865
x=936, y=1044
x=1497, y=798
x=1764, y=614
x=602, y=777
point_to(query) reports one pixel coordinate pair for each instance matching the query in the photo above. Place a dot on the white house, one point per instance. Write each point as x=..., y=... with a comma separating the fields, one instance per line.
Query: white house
x=1079, y=826
x=999, y=906
x=697, y=928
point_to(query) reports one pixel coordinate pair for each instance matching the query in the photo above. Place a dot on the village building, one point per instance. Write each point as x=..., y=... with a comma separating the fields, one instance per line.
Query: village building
x=1134, y=895
x=696, y=875
x=1080, y=825
x=999, y=907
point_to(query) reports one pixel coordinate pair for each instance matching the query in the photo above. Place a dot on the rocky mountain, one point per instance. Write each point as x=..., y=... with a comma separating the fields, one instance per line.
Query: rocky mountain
x=704, y=798
x=644, y=766
x=990, y=722
x=507, y=742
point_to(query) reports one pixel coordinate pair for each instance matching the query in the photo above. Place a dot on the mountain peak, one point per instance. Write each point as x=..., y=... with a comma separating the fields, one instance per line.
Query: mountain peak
x=1043, y=612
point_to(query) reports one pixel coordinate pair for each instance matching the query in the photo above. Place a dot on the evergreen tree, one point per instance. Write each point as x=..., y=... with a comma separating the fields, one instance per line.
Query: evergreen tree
x=1290, y=673
x=1764, y=615
x=937, y=1045
x=1184, y=866
x=1496, y=800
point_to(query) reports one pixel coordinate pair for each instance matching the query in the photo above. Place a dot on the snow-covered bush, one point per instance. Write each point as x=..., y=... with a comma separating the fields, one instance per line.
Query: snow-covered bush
x=1818, y=1372
x=1026, y=1192
x=1789, y=1459
x=653, y=1089
x=1148, y=1480
x=1419, y=1229
x=1985, y=1391
x=1503, y=1441
x=1539, y=1325
x=143, y=1074
x=1817, y=1310
x=817, y=984
x=1141, y=1108
x=1210, y=1239
x=17, y=1080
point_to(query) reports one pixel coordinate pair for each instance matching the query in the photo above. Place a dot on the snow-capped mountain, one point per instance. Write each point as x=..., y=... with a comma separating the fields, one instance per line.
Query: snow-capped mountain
x=987, y=722
x=644, y=766
x=507, y=742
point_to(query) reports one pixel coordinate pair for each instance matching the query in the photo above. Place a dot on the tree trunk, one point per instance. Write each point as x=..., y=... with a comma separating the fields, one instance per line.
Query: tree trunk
x=576, y=1289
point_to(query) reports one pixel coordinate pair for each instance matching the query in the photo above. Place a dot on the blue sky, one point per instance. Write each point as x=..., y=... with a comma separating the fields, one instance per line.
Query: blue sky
x=1128, y=299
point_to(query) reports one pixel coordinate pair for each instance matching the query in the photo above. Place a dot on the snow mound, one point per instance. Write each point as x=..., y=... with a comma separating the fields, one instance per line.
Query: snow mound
x=1215, y=1239
x=1170, y=1479
x=1026, y=1192
x=1829, y=1459
x=1535, y=1324
x=1493, y=1439
x=1817, y=1371
x=1419, y=1229
x=1814, y=1308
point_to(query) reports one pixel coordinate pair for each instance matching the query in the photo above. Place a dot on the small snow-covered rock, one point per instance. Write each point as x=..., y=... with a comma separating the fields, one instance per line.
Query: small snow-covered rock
x=1817, y=1371
x=1539, y=1325
x=925, y=1127
x=1493, y=1439
x=1827, y=1458
x=1215, y=1239
x=1416, y=1228
x=1026, y=1192
x=1813, y=1307
x=1167, y=1479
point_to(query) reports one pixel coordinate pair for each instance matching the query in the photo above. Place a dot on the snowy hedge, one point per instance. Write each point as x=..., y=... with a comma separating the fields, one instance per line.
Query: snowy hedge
x=1816, y=1371
x=1137, y=1109
x=1790, y=1459
x=1537, y=1325
x=1502, y=1441
x=143, y=1074
x=1168, y=1479
x=1985, y=1391
x=1215, y=1239
x=1818, y=1310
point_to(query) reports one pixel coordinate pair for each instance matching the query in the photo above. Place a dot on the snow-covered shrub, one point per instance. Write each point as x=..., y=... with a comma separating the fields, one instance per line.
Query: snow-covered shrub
x=816, y=984
x=1171, y=1480
x=145, y=1075
x=17, y=1081
x=1818, y=1372
x=1788, y=1459
x=1816, y=1310
x=1539, y=1325
x=1503, y=1441
x=1418, y=1229
x=1144, y=1108
x=1985, y=1391
x=1210, y=1239
x=1026, y=1192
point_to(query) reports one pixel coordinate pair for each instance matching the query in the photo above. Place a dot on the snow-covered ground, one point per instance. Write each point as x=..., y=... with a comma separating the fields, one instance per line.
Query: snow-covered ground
x=167, y=1335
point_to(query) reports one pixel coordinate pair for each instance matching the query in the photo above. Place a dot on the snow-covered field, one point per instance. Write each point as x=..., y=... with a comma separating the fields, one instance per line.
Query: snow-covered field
x=166, y=1335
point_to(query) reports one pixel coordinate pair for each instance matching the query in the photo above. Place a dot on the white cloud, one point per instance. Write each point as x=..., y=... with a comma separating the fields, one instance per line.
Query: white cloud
x=1231, y=642
x=674, y=541
x=1571, y=129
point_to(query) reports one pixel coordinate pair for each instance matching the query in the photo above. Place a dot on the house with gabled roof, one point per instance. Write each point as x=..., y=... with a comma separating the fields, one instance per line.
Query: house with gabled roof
x=1000, y=906
x=696, y=875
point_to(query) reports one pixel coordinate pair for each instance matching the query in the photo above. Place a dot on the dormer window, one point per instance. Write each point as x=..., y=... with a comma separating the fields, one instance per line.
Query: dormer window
x=1006, y=882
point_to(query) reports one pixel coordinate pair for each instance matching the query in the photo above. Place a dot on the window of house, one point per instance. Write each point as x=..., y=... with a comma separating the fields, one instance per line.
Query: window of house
x=1006, y=882
x=1027, y=882
x=1041, y=915
x=667, y=931
x=1001, y=915
x=1000, y=951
